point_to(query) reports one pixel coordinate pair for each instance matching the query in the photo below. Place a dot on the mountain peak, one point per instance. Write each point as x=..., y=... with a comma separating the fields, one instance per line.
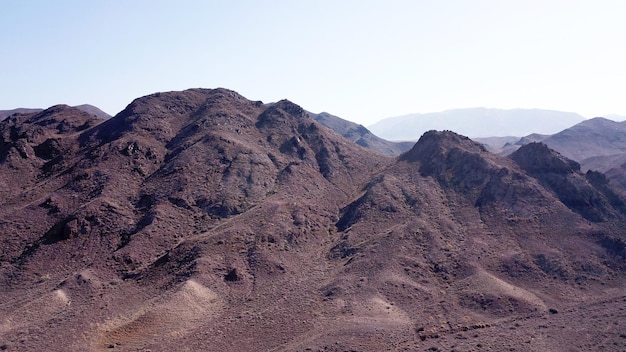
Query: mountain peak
x=589, y=194
x=93, y=110
x=59, y=119
x=438, y=142
x=538, y=157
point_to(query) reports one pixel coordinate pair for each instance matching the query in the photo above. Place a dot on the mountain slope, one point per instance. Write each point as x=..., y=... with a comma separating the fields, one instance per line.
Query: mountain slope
x=597, y=144
x=6, y=113
x=476, y=122
x=93, y=110
x=200, y=220
x=361, y=135
x=593, y=137
x=90, y=109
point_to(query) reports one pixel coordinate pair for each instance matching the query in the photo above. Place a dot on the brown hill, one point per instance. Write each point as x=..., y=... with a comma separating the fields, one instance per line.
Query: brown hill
x=598, y=144
x=90, y=109
x=200, y=220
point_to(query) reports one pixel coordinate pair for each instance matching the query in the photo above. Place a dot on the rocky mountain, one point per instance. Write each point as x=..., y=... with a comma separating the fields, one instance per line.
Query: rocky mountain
x=590, y=138
x=93, y=110
x=360, y=135
x=597, y=144
x=6, y=113
x=476, y=122
x=90, y=109
x=201, y=220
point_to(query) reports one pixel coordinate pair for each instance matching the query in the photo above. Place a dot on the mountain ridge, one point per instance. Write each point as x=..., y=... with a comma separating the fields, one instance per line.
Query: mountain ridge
x=597, y=144
x=360, y=135
x=201, y=220
x=90, y=109
x=476, y=122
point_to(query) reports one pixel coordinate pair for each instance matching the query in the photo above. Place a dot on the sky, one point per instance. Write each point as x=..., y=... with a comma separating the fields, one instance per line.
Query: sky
x=361, y=60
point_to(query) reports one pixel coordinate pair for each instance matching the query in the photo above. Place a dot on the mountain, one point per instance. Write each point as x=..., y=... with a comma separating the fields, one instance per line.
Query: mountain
x=597, y=144
x=201, y=220
x=615, y=117
x=360, y=135
x=90, y=109
x=594, y=137
x=476, y=122
x=6, y=113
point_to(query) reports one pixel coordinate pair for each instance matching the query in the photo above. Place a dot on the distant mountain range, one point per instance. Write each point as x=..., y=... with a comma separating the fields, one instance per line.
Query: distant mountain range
x=90, y=109
x=6, y=113
x=476, y=122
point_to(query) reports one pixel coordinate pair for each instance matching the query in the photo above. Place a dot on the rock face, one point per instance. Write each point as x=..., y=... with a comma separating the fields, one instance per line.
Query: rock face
x=200, y=220
x=588, y=195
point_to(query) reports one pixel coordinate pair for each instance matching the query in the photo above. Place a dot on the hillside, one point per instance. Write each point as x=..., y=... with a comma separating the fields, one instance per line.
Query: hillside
x=593, y=138
x=93, y=110
x=476, y=122
x=6, y=113
x=590, y=138
x=361, y=135
x=201, y=220
x=597, y=144
x=90, y=109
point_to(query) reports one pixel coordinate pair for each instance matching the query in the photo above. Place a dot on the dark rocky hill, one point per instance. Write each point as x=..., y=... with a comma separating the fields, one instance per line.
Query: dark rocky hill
x=200, y=220
x=598, y=144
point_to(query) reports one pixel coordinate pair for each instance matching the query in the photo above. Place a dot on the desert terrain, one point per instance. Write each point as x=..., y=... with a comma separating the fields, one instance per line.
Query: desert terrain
x=200, y=220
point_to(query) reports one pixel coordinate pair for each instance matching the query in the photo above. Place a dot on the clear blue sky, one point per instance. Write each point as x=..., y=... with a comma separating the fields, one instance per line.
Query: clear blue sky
x=361, y=60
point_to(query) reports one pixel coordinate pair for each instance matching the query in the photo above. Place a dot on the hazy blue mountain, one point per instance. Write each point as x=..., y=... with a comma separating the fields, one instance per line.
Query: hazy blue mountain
x=476, y=122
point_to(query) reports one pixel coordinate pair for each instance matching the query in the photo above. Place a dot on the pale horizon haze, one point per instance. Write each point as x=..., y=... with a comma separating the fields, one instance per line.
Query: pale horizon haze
x=360, y=60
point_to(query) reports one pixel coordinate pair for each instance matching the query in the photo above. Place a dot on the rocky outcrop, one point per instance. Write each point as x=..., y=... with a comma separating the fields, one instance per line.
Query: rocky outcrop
x=589, y=195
